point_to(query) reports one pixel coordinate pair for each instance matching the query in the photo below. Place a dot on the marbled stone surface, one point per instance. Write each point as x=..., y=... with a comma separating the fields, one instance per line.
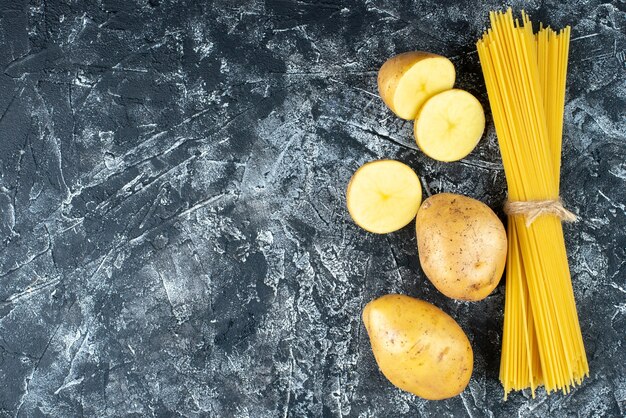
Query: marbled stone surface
x=174, y=239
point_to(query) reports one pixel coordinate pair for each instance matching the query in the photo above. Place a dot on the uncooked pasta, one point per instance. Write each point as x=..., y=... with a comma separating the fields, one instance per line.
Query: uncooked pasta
x=525, y=75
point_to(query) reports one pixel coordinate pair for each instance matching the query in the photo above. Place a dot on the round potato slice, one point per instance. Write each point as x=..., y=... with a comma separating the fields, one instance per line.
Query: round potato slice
x=449, y=125
x=383, y=196
x=407, y=80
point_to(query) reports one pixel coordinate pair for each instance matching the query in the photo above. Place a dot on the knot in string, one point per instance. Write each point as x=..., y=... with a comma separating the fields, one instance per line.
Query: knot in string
x=532, y=209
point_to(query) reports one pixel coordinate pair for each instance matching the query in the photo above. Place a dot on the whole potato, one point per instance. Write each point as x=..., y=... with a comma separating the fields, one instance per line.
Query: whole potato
x=418, y=347
x=462, y=245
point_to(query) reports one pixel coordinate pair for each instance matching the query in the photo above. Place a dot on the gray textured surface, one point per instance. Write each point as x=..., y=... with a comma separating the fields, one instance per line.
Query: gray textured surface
x=174, y=238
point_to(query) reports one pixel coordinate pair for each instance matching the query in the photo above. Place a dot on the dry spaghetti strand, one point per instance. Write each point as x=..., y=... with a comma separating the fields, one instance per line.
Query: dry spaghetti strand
x=525, y=74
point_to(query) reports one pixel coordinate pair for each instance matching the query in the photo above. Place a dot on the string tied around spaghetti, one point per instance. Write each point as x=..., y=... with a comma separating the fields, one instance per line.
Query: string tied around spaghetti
x=533, y=209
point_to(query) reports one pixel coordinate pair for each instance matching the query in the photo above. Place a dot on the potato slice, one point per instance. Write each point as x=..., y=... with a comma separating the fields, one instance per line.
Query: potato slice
x=449, y=125
x=383, y=196
x=407, y=80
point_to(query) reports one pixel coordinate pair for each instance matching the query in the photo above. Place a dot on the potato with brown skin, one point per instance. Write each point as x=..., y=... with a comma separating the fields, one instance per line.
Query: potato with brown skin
x=407, y=80
x=418, y=347
x=462, y=245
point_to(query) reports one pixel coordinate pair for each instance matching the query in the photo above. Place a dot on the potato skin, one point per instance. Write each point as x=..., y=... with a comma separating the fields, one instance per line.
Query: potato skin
x=418, y=347
x=462, y=246
x=393, y=69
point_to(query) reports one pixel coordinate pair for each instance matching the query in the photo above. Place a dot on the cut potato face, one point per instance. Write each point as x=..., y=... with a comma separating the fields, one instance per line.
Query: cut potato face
x=427, y=77
x=449, y=125
x=383, y=196
x=407, y=80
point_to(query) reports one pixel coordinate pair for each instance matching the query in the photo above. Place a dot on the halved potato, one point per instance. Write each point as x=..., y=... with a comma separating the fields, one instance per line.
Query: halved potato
x=407, y=80
x=383, y=196
x=449, y=125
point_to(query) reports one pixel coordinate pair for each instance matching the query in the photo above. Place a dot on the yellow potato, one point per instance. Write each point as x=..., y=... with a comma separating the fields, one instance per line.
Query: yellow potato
x=407, y=80
x=383, y=196
x=449, y=125
x=418, y=347
x=462, y=245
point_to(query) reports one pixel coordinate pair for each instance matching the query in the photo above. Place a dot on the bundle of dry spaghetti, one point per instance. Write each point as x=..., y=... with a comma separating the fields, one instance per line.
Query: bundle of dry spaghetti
x=525, y=76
